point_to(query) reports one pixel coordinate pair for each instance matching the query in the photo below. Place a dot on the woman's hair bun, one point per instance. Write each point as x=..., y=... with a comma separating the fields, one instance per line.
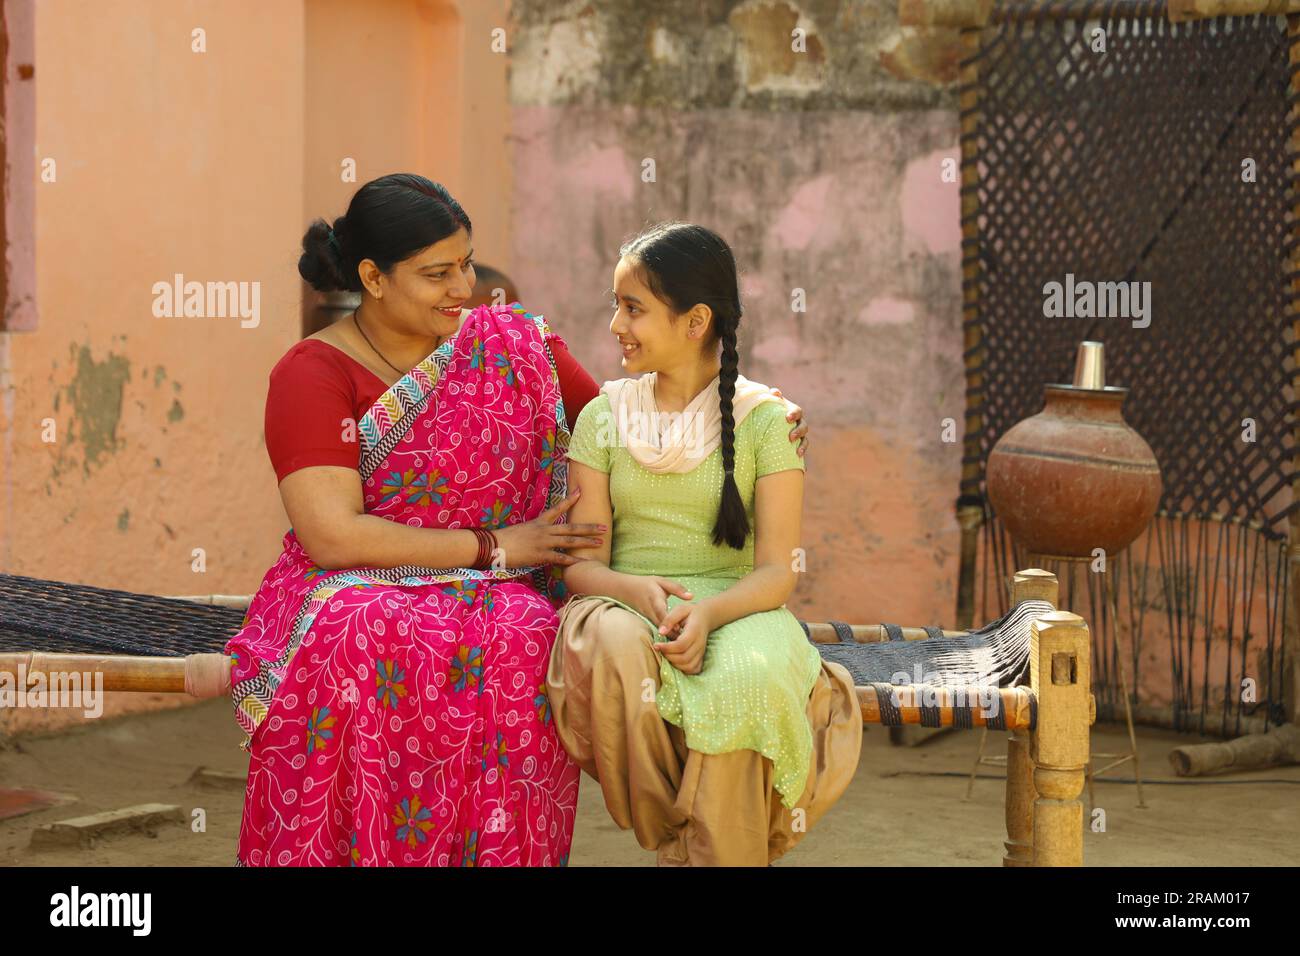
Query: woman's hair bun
x=321, y=262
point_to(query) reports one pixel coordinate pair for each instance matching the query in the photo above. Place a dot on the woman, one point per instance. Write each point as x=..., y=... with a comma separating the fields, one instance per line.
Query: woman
x=679, y=680
x=390, y=671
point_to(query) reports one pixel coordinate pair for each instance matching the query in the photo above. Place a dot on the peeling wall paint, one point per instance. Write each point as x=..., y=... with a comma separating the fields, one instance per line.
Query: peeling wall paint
x=691, y=54
x=95, y=398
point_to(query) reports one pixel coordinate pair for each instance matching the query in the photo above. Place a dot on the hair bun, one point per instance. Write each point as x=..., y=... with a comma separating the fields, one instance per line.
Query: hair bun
x=322, y=263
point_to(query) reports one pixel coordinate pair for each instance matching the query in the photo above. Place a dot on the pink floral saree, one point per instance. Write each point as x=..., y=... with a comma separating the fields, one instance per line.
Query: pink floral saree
x=398, y=717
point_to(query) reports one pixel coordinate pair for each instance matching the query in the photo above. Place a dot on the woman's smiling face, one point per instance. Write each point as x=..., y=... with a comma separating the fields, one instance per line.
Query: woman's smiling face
x=643, y=324
x=425, y=292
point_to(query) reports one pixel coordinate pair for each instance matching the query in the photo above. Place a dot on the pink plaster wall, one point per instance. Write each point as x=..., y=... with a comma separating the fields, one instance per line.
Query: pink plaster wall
x=849, y=206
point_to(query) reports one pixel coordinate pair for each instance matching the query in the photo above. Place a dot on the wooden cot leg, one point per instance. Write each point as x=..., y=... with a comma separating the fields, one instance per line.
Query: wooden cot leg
x=1060, y=676
x=1020, y=802
x=1029, y=584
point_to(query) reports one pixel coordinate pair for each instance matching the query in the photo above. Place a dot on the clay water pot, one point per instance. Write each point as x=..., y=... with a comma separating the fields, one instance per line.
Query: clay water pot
x=1074, y=477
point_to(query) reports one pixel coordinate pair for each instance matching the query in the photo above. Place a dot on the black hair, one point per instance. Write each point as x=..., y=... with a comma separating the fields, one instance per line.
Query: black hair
x=685, y=265
x=389, y=219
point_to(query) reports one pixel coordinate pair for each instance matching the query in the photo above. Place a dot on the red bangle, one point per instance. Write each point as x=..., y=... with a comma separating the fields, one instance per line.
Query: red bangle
x=487, y=546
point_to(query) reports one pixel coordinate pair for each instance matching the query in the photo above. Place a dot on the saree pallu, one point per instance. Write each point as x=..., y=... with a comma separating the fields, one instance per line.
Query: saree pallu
x=399, y=717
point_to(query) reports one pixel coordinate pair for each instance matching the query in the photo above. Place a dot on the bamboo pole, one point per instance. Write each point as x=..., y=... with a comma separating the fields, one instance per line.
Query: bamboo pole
x=193, y=675
x=237, y=601
x=1059, y=676
x=197, y=674
x=1011, y=703
x=820, y=633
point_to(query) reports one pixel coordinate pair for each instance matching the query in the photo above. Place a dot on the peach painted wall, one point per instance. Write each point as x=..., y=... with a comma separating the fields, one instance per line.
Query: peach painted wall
x=168, y=161
x=208, y=164
x=410, y=86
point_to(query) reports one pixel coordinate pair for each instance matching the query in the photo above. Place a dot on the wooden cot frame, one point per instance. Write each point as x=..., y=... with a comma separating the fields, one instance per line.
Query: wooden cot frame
x=1047, y=721
x=1047, y=757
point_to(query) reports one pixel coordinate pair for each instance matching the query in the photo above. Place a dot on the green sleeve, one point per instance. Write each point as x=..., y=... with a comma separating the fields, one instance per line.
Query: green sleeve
x=773, y=449
x=592, y=434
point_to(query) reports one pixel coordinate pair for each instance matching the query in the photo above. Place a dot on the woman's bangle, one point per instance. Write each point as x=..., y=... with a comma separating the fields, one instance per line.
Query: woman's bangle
x=478, y=557
x=487, y=546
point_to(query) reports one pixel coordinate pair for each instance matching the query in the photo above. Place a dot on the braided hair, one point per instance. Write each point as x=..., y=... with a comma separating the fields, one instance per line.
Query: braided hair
x=685, y=265
x=388, y=220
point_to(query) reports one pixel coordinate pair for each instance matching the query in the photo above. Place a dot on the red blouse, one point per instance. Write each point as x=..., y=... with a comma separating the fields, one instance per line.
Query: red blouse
x=318, y=393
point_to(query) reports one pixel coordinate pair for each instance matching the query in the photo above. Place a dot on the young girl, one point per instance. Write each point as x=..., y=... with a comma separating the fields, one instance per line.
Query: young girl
x=678, y=679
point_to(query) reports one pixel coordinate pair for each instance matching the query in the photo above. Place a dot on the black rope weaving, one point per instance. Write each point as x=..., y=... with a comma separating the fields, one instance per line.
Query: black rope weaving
x=55, y=617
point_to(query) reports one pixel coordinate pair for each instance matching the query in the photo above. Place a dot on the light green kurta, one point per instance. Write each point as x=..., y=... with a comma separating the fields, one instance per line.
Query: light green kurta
x=752, y=690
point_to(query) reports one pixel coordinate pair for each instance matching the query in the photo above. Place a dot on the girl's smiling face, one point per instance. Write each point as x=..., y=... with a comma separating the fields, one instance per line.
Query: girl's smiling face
x=643, y=324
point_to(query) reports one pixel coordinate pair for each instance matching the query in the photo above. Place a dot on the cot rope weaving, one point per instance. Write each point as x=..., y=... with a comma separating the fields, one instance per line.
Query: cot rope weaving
x=50, y=617
x=995, y=655
x=1127, y=166
x=56, y=617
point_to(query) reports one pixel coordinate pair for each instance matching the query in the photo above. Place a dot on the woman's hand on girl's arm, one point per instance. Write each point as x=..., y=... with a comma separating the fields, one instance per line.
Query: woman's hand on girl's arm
x=795, y=414
x=778, y=503
x=542, y=541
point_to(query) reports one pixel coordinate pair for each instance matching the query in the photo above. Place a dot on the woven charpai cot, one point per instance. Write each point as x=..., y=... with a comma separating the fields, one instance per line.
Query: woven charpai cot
x=1027, y=672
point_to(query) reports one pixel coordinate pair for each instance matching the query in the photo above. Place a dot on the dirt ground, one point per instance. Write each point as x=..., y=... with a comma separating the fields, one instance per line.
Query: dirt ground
x=905, y=807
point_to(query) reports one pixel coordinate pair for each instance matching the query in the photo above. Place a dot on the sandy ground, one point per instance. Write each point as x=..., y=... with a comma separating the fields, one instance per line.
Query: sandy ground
x=905, y=806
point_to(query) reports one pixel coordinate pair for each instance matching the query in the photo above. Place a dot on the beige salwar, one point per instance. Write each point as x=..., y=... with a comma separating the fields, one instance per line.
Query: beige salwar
x=694, y=809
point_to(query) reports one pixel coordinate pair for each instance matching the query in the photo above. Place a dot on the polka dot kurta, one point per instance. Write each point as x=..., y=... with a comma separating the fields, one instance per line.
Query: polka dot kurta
x=758, y=671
